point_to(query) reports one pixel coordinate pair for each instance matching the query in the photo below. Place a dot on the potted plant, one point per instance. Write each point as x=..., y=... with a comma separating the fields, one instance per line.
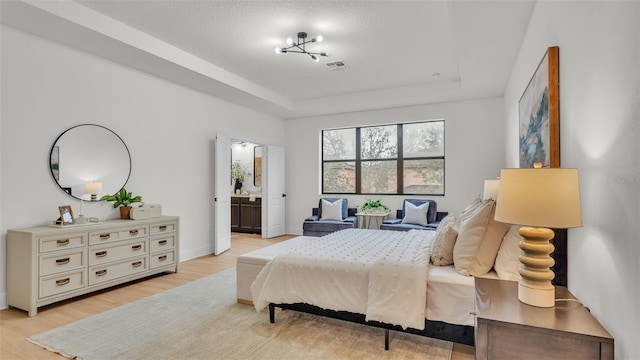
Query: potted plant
x=372, y=206
x=238, y=174
x=123, y=199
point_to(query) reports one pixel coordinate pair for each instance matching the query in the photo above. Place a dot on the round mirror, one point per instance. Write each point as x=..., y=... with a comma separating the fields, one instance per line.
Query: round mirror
x=88, y=161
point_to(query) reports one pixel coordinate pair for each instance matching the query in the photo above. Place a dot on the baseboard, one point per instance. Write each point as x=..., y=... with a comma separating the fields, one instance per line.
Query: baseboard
x=3, y=301
x=196, y=253
x=245, y=302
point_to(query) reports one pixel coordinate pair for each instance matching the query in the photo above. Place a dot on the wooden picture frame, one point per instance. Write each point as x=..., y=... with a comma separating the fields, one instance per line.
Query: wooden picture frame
x=66, y=215
x=539, y=112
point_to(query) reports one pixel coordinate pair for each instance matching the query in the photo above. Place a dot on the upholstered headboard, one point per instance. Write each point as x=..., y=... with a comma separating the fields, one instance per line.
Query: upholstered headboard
x=560, y=256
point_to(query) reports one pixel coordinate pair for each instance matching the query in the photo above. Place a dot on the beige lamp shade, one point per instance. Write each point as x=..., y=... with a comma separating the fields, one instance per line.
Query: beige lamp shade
x=491, y=189
x=93, y=187
x=540, y=198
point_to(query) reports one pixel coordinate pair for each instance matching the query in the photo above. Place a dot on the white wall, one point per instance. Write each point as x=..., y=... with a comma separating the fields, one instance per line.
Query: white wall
x=599, y=92
x=47, y=88
x=474, y=151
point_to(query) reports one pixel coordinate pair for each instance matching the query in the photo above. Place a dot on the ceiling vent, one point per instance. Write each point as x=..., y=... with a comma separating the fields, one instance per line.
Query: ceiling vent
x=337, y=65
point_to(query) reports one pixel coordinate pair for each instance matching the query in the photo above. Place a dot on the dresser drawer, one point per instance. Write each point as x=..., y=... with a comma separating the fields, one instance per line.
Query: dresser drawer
x=163, y=228
x=101, y=237
x=99, y=274
x=57, y=262
x=54, y=285
x=162, y=243
x=115, y=252
x=162, y=259
x=61, y=242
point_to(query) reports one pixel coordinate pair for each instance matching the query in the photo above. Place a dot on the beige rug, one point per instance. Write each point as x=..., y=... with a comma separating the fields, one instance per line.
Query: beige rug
x=201, y=320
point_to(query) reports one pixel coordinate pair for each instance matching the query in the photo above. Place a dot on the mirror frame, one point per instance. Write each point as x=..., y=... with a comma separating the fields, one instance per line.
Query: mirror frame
x=53, y=147
x=257, y=167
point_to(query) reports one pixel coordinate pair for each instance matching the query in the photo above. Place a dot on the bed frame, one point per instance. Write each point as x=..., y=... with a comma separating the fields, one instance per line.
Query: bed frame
x=462, y=334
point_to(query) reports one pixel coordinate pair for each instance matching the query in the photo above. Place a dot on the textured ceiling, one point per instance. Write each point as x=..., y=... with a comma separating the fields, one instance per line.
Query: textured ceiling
x=393, y=48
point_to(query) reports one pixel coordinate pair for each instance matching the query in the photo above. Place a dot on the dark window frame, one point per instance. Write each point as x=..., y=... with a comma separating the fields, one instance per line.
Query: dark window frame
x=400, y=159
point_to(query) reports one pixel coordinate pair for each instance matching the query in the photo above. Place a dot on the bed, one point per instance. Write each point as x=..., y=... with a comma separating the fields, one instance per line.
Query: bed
x=448, y=297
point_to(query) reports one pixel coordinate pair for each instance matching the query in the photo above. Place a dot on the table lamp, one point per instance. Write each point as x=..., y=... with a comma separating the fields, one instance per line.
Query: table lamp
x=539, y=199
x=93, y=188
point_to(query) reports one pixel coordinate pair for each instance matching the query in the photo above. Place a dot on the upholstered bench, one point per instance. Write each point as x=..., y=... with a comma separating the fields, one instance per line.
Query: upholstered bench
x=249, y=265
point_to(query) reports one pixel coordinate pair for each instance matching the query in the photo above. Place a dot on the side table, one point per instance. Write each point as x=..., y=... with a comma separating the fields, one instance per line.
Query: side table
x=364, y=219
x=509, y=329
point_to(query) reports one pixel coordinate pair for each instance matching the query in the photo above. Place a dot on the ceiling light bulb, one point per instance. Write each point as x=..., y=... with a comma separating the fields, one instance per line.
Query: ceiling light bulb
x=319, y=38
x=315, y=58
x=278, y=50
x=289, y=41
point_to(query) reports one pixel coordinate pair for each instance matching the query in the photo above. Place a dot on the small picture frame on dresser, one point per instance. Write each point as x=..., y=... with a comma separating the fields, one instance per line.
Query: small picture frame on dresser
x=66, y=215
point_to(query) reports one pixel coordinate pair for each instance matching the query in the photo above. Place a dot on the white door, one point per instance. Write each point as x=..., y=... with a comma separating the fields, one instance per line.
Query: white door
x=222, y=195
x=274, y=210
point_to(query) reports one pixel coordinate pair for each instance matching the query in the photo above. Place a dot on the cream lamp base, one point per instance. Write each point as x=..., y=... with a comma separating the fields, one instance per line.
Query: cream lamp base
x=535, y=288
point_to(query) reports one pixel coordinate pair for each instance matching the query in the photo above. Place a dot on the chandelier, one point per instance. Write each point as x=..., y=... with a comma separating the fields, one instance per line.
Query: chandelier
x=299, y=47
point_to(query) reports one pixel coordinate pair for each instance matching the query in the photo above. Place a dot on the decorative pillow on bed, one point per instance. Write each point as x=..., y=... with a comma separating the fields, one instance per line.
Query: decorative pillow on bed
x=446, y=234
x=415, y=214
x=479, y=238
x=507, y=265
x=332, y=210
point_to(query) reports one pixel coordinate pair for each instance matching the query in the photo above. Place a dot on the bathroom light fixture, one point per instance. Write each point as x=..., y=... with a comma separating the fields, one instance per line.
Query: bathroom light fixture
x=299, y=47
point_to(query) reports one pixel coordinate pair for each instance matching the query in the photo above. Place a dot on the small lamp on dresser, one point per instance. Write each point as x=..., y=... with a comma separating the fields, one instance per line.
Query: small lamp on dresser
x=539, y=199
x=93, y=188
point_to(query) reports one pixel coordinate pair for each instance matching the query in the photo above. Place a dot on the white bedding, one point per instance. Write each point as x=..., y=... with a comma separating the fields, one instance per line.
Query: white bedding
x=382, y=274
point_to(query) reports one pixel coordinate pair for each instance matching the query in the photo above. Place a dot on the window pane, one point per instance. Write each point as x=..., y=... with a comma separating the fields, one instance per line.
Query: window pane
x=424, y=177
x=339, y=144
x=339, y=177
x=423, y=139
x=379, y=177
x=379, y=142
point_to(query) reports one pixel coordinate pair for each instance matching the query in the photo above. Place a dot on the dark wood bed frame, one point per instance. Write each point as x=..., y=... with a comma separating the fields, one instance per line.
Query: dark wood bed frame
x=463, y=334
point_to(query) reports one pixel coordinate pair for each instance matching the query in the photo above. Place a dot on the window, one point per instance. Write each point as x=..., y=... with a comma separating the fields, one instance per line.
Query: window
x=385, y=159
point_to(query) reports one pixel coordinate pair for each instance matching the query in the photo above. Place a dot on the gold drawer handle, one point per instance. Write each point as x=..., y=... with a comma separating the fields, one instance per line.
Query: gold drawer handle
x=101, y=272
x=105, y=236
x=162, y=228
x=136, y=264
x=162, y=242
x=162, y=258
x=63, y=282
x=101, y=253
x=63, y=242
x=136, y=247
x=63, y=261
x=133, y=232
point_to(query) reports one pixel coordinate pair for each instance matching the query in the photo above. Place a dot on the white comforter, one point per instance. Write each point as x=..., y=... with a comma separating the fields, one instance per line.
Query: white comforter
x=382, y=274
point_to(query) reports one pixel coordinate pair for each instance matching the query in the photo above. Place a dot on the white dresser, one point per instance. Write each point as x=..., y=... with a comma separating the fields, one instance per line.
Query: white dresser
x=47, y=264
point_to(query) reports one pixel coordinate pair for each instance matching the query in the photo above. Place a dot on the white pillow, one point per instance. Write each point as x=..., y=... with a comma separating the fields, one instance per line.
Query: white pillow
x=446, y=234
x=415, y=214
x=507, y=265
x=479, y=238
x=332, y=211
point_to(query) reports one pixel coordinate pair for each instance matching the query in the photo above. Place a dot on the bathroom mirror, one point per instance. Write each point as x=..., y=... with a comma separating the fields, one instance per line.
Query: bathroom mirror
x=257, y=166
x=88, y=161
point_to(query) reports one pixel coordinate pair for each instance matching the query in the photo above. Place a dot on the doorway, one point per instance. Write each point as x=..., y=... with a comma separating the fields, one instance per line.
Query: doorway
x=260, y=169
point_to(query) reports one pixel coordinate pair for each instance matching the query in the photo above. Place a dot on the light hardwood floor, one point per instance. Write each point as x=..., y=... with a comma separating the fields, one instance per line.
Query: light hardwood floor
x=15, y=325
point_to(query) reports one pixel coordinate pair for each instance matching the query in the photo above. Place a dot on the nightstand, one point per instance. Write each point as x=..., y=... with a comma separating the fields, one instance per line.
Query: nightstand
x=509, y=329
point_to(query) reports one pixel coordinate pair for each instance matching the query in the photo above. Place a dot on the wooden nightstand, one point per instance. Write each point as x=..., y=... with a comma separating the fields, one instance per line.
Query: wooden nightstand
x=509, y=329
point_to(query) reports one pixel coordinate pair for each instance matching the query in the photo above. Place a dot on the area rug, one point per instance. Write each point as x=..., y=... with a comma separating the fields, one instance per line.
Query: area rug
x=201, y=320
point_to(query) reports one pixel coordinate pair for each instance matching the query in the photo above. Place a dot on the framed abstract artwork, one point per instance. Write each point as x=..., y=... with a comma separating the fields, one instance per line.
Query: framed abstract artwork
x=539, y=128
